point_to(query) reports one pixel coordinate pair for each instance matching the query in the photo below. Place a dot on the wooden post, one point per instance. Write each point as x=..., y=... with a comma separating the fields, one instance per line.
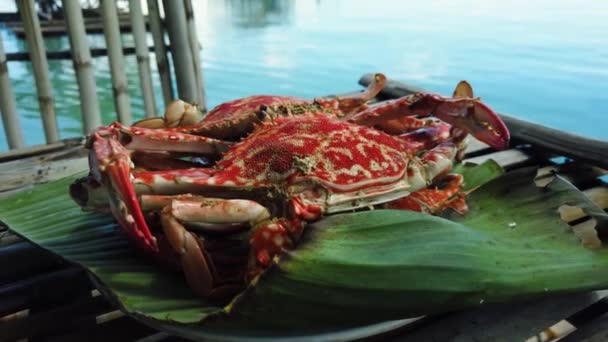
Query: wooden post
x=138, y=27
x=81, y=55
x=158, y=35
x=196, y=57
x=10, y=120
x=111, y=30
x=180, y=50
x=37, y=53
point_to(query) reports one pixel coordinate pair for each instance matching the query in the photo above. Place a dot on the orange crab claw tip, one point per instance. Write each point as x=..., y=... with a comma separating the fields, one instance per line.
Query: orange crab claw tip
x=488, y=127
x=463, y=89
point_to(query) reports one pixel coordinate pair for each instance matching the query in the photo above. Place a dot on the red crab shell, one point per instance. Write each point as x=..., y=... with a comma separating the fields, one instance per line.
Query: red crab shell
x=343, y=157
x=232, y=119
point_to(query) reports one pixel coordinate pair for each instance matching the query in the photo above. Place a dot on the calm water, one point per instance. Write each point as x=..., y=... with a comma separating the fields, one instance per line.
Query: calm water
x=546, y=61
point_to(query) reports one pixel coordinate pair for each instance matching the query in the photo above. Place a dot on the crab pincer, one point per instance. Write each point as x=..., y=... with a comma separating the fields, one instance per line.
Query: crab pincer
x=462, y=112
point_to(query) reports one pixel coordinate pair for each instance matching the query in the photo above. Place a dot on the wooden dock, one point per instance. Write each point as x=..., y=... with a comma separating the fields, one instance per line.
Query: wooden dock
x=58, y=27
x=43, y=298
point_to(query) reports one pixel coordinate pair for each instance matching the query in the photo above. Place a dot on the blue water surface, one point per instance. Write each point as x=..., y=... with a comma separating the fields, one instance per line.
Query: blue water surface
x=545, y=61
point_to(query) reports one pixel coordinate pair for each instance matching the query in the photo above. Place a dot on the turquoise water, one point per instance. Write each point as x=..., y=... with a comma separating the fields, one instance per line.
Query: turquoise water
x=546, y=61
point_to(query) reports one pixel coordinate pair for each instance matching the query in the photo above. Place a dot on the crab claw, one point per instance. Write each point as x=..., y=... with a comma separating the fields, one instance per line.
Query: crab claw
x=110, y=163
x=476, y=118
x=465, y=112
x=178, y=113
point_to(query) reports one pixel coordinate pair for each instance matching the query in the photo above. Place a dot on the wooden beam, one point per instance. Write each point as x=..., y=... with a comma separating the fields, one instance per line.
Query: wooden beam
x=566, y=144
x=66, y=54
x=40, y=149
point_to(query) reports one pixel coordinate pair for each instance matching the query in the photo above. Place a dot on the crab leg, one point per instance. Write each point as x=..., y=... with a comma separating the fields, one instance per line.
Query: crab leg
x=438, y=161
x=197, y=264
x=468, y=114
x=433, y=201
x=110, y=163
x=406, y=124
x=351, y=104
x=146, y=139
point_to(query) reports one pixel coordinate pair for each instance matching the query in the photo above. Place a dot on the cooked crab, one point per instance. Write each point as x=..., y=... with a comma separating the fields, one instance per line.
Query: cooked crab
x=288, y=171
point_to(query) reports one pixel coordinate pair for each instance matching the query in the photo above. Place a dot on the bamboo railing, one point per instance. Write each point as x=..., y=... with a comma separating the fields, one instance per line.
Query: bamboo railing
x=183, y=45
x=111, y=31
x=10, y=120
x=33, y=35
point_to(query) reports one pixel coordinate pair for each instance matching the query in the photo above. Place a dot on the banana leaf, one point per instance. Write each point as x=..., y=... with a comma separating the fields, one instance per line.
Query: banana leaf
x=352, y=275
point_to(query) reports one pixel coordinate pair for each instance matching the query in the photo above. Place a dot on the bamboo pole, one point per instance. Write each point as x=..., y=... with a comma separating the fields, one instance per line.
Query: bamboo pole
x=37, y=52
x=111, y=29
x=180, y=50
x=138, y=28
x=196, y=57
x=81, y=55
x=160, y=51
x=10, y=120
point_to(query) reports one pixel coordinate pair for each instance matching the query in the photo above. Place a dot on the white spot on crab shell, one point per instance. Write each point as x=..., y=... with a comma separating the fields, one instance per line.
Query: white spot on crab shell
x=375, y=166
x=183, y=180
x=266, y=235
x=361, y=148
x=130, y=219
x=343, y=151
x=273, y=227
x=278, y=240
x=229, y=183
x=296, y=142
x=211, y=181
x=173, y=137
x=355, y=170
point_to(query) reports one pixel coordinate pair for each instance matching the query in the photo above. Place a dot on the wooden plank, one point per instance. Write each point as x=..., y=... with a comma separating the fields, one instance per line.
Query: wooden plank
x=508, y=159
x=476, y=147
x=506, y=322
x=40, y=149
x=567, y=144
x=66, y=54
x=581, y=175
x=59, y=286
x=58, y=27
x=68, y=317
x=26, y=259
x=26, y=172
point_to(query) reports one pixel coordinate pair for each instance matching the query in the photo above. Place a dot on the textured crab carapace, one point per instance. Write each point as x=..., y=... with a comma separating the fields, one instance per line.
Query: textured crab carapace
x=290, y=170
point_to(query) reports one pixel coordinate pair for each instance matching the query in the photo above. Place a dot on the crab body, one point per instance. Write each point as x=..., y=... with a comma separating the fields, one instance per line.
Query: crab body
x=297, y=161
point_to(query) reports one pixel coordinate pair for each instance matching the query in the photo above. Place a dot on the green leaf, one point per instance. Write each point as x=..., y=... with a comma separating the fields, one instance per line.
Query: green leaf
x=48, y=217
x=352, y=274
x=478, y=175
x=380, y=265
